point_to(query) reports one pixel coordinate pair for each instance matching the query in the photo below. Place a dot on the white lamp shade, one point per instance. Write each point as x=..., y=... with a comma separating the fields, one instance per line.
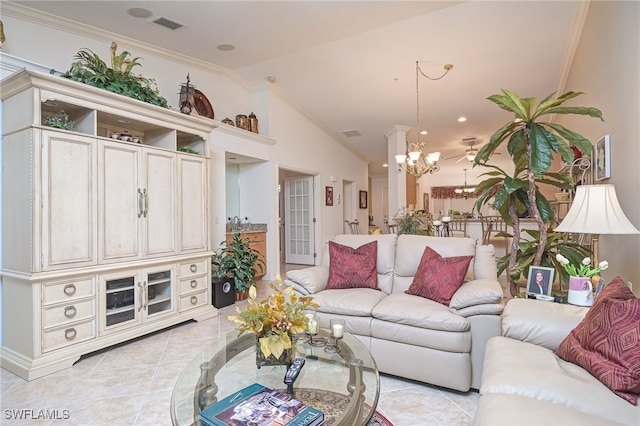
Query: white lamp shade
x=433, y=157
x=596, y=210
x=400, y=158
x=414, y=155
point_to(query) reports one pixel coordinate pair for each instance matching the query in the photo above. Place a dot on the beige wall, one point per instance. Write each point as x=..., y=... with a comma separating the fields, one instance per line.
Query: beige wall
x=606, y=67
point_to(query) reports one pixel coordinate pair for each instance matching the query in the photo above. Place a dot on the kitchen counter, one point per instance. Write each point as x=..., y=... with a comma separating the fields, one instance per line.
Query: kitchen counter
x=244, y=228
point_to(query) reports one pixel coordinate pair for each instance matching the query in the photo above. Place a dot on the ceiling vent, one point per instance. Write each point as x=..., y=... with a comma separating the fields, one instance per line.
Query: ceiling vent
x=168, y=23
x=351, y=133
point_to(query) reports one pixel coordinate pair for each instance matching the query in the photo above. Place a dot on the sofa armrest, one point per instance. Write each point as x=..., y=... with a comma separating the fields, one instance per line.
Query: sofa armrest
x=308, y=281
x=539, y=322
x=478, y=297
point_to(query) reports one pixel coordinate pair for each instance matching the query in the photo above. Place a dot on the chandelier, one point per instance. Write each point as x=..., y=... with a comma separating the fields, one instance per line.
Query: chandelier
x=414, y=161
x=465, y=190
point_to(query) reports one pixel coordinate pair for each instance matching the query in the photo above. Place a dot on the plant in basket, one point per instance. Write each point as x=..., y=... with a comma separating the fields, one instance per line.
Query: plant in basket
x=276, y=320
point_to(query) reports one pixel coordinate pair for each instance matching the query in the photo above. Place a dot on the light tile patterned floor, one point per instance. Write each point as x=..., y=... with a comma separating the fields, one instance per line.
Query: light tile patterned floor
x=131, y=384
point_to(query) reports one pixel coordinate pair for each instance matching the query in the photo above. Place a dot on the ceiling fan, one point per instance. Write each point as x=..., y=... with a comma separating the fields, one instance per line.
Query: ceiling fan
x=470, y=153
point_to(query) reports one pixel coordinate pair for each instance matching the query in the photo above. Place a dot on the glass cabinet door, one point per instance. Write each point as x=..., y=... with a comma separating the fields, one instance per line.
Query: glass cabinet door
x=158, y=296
x=120, y=300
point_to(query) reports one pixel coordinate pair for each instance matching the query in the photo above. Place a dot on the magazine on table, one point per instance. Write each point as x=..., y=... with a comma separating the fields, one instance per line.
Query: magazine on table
x=257, y=405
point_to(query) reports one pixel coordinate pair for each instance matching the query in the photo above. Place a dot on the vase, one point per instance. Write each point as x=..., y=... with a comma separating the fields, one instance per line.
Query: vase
x=580, y=291
x=286, y=358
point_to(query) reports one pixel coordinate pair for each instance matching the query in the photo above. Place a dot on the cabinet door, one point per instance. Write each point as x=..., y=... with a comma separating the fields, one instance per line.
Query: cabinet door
x=158, y=284
x=159, y=207
x=193, y=209
x=121, y=300
x=68, y=201
x=121, y=201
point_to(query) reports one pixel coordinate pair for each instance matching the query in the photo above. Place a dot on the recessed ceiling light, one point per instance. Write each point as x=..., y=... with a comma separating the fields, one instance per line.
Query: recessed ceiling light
x=225, y=47
x=385, y=165
x=462, y=119
x=424, y=132
x=138, y=12
x=122, y=120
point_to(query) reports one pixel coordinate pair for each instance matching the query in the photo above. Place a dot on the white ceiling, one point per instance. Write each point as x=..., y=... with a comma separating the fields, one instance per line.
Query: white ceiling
x=351, y=64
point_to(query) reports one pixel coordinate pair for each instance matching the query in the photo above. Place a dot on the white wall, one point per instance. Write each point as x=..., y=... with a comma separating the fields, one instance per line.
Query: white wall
x=606, y=67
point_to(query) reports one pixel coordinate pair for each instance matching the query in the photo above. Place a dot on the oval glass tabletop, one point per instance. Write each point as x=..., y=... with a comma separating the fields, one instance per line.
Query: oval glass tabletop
x=343, y=384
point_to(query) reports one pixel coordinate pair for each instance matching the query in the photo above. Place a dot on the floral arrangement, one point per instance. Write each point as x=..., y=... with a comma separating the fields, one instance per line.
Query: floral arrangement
x=412, y=222
x=274, y=319
x=582, y=270
x=60, y=120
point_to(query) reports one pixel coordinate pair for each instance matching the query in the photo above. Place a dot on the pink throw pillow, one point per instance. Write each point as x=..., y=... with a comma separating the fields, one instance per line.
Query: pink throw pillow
x=606, y=343
x=437, y=277
x=353, y=268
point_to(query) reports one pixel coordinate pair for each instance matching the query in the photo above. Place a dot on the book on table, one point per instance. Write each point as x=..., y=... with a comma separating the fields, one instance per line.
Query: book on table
x=257, y=405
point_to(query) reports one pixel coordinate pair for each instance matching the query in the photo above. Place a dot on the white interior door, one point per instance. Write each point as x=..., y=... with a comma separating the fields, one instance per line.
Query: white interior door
x=299, y=224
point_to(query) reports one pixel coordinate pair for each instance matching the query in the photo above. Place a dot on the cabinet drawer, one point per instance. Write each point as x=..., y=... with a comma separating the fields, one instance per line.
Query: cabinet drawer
x=193, y=301
x=193, y=284
x=67, y=313
x=194, y=268
x=68, y=290
x=55, y=339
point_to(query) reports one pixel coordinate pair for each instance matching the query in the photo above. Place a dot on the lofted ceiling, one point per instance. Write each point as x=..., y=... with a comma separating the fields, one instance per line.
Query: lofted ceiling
x=351, y=64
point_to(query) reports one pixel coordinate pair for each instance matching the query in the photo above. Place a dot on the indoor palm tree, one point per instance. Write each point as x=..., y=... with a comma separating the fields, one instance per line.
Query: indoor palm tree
x=531, y=143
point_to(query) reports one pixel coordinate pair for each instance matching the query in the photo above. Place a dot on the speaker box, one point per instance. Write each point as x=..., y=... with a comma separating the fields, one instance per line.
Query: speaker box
x=224, y=291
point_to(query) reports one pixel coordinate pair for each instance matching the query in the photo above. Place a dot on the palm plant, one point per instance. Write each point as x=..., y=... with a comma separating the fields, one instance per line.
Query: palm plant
x=531, y=143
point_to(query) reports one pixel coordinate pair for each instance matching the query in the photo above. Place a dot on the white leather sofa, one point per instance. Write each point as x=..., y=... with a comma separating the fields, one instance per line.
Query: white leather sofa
x=411, y=336
x=525, y=383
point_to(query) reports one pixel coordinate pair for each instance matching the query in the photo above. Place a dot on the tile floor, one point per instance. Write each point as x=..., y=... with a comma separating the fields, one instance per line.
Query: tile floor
x=131, y=384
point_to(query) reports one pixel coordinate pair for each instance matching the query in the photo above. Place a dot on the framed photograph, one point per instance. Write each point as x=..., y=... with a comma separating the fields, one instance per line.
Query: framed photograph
x=602, y=158
x=363, y=199
x=540, y=280
x=328, y=195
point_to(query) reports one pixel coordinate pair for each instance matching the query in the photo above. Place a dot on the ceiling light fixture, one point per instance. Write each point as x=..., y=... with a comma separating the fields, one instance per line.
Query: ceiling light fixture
x=466, y=190
x=414, y=161
x=462, y=119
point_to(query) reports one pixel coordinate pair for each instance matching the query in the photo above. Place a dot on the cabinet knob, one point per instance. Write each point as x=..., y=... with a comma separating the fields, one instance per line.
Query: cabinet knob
x=70, y=333
x=193, y=267
x=194, y=300
x=70, y=311
x=69, y=289
x=194, y=283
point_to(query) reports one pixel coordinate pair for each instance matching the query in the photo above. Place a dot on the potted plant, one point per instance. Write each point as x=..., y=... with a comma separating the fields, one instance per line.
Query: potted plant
x=92, y=70
x=238, y=260
x=59, y=120
x=222, y=285
x=531, y=144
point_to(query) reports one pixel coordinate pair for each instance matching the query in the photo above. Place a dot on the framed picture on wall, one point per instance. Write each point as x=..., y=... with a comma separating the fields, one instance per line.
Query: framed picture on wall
x=363, y=199
x=602, y=158
x=328, y=195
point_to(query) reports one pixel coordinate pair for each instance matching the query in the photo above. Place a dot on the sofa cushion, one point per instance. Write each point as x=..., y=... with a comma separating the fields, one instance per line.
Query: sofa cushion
x=352, y=268
x=350, y=301
x=606, y=341
x=386, y=254
x=437, y=277
x=532, y=371
x=312, y=279
x=401, y=308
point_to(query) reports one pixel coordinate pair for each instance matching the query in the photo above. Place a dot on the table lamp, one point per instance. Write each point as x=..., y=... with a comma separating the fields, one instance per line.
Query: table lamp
x=595, y=210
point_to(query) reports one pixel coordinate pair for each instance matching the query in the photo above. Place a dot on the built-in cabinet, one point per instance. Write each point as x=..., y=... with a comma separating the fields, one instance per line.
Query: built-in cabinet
x=104, y=240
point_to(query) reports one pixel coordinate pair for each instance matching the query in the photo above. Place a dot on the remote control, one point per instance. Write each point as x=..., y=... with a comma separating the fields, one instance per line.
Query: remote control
x=293, y=371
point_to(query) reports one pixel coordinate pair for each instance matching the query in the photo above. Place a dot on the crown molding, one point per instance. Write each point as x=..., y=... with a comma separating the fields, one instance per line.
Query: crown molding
x=62, y=24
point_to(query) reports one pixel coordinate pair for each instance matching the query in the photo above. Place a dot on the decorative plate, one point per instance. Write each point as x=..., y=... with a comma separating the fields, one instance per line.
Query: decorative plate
x=203, y=106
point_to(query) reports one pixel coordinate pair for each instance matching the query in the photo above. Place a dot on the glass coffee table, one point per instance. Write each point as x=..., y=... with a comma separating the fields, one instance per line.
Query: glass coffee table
x=343, y=384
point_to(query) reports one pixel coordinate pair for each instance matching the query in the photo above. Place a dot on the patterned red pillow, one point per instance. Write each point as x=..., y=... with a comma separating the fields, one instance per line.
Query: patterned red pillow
x=606, y=341
x=353, y=268
x=437, y=277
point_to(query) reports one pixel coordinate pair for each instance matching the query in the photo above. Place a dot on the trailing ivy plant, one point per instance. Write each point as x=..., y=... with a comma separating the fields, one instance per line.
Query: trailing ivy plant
x=92, y=70
x=531, y=144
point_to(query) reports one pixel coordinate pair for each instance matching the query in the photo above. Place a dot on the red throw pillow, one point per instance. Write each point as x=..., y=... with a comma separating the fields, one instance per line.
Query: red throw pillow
x=606, y=341
x=437, y=277
x=353, y=268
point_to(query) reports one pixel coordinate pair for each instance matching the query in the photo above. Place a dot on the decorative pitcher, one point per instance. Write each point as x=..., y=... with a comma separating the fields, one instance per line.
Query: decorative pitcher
x=580, y=291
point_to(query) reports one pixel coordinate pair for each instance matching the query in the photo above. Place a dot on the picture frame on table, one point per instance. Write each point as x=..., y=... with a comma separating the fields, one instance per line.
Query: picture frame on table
x=363, y=199
x=328, y=195
x=602, y=158
x=540, y=280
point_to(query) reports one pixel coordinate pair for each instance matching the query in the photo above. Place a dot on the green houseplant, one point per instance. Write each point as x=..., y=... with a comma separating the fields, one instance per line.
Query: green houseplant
x=91, y=70
x=531, y=144
x=238, y=260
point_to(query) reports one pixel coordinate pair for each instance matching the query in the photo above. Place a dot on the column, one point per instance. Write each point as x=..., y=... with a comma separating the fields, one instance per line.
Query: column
x=396, y=144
